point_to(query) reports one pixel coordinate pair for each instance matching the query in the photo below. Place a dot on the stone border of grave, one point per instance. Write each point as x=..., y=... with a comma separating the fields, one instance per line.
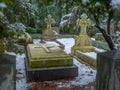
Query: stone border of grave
x=85, y=59
x=61, y=45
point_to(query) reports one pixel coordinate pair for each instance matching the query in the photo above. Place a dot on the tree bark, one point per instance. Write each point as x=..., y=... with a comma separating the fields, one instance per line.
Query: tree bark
x=107, y=38
x=104, y=33
x=108, y=24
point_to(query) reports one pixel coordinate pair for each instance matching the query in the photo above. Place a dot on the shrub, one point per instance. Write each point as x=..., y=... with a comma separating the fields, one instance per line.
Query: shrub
x=31, y=30
x=92, y=31
x=39, y=31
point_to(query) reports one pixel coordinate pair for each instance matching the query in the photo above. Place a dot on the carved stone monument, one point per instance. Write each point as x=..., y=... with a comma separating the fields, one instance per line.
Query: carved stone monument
x=48, y=62
x=48, y=34
x=83, y=41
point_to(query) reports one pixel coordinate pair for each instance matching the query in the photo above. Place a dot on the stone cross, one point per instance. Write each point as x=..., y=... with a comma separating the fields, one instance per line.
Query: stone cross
x=83, y=22
x=45, y=48
x=49, y=20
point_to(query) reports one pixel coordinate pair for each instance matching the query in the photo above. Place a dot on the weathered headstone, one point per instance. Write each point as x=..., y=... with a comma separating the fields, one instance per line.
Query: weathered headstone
x=48, y=34
x=48, y=62
x=7, y=72
x=83, y=41
x=108, y=70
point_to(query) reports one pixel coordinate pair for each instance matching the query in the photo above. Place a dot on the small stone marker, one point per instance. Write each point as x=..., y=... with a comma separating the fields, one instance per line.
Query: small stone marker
x=48, y=34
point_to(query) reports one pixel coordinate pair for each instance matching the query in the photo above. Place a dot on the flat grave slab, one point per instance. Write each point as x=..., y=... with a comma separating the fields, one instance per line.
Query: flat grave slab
x=47, y=55
x=45, y=62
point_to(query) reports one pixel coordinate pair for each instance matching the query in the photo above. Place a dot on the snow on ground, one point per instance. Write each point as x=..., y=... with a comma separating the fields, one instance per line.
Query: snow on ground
x=21, y=76
x=91, y=54
x=20, y=72
x=86, y=74
x=68, y=43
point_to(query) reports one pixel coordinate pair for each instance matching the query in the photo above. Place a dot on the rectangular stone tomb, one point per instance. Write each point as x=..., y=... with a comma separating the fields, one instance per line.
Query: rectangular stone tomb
x=46, y=55
x=46, y=62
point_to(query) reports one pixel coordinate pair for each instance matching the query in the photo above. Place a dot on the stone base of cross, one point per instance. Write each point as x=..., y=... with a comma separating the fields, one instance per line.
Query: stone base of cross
x=48, y=35
x=83, y=43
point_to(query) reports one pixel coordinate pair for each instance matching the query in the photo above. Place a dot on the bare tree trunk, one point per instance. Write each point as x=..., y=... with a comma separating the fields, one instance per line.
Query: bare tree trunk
x=104, y=33
x=108, y=25
x=107, y=38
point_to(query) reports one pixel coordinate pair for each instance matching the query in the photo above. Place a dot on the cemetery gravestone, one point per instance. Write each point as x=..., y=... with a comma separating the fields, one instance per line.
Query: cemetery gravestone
x=48, y=34
x=83, y=41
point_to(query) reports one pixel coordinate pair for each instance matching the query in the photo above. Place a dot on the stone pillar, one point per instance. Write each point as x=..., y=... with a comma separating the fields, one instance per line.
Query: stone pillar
x=108, y=70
